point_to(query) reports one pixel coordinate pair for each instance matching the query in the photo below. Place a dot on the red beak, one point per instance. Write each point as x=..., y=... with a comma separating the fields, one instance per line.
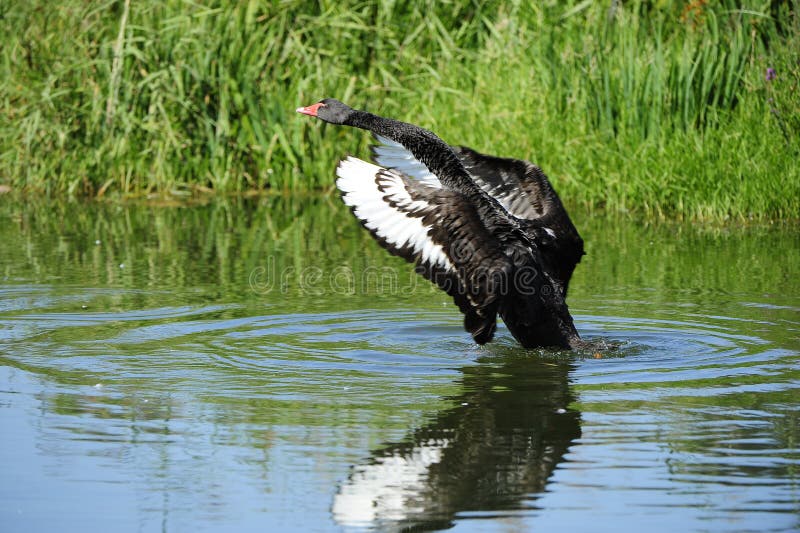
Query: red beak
x=310, y=110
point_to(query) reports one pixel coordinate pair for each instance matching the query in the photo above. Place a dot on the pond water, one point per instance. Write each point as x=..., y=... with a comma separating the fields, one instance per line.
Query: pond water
x=264, y=366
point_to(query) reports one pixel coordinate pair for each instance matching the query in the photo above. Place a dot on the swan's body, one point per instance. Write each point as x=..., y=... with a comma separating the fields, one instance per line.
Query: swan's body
x=489, y=231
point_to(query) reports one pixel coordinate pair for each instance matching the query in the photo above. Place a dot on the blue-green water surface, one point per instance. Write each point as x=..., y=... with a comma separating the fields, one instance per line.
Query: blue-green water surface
x=264, y=366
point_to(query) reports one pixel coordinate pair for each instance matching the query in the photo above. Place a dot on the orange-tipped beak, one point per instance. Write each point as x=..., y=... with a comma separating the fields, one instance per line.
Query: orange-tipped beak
x=310, y=110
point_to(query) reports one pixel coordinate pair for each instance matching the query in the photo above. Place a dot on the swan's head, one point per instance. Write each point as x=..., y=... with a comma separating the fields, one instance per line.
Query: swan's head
x=329, y=110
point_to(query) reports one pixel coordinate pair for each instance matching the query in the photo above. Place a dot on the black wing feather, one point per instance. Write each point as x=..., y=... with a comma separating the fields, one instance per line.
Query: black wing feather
x=475, y=269
x=525, y=192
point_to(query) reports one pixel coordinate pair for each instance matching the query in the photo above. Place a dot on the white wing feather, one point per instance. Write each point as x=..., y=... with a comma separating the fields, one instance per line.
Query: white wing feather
x=392, y=214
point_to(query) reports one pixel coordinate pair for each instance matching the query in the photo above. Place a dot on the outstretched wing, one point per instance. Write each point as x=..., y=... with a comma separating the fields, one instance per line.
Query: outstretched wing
x=525, y=192
x=520, y=187
x=438, y=230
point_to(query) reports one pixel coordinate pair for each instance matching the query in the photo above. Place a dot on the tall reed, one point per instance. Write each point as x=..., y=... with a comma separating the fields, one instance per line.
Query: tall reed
x=658, y=107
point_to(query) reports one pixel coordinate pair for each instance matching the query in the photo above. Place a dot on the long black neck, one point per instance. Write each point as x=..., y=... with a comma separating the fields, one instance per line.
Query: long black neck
x=425, y=145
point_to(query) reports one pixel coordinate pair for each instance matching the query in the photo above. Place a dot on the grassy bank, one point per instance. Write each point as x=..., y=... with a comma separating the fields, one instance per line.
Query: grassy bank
x=660, y=107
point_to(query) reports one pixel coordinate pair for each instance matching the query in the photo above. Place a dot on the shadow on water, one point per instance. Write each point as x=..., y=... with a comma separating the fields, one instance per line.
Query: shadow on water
x=491, y=452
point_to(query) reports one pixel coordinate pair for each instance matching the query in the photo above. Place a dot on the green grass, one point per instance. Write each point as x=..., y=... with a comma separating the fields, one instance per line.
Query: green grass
x=657, y=107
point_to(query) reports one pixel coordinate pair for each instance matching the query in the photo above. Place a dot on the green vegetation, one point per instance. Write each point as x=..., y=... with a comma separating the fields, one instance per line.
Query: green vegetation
x=663, y=107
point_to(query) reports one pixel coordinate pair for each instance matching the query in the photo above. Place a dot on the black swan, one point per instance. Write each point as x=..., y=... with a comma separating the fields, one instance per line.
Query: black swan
x=489, y=231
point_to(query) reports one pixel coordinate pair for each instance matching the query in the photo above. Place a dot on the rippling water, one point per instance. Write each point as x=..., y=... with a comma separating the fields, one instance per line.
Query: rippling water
x=266, y=367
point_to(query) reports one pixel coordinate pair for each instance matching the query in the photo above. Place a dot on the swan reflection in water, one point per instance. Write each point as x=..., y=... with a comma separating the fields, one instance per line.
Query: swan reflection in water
x=493, y=451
